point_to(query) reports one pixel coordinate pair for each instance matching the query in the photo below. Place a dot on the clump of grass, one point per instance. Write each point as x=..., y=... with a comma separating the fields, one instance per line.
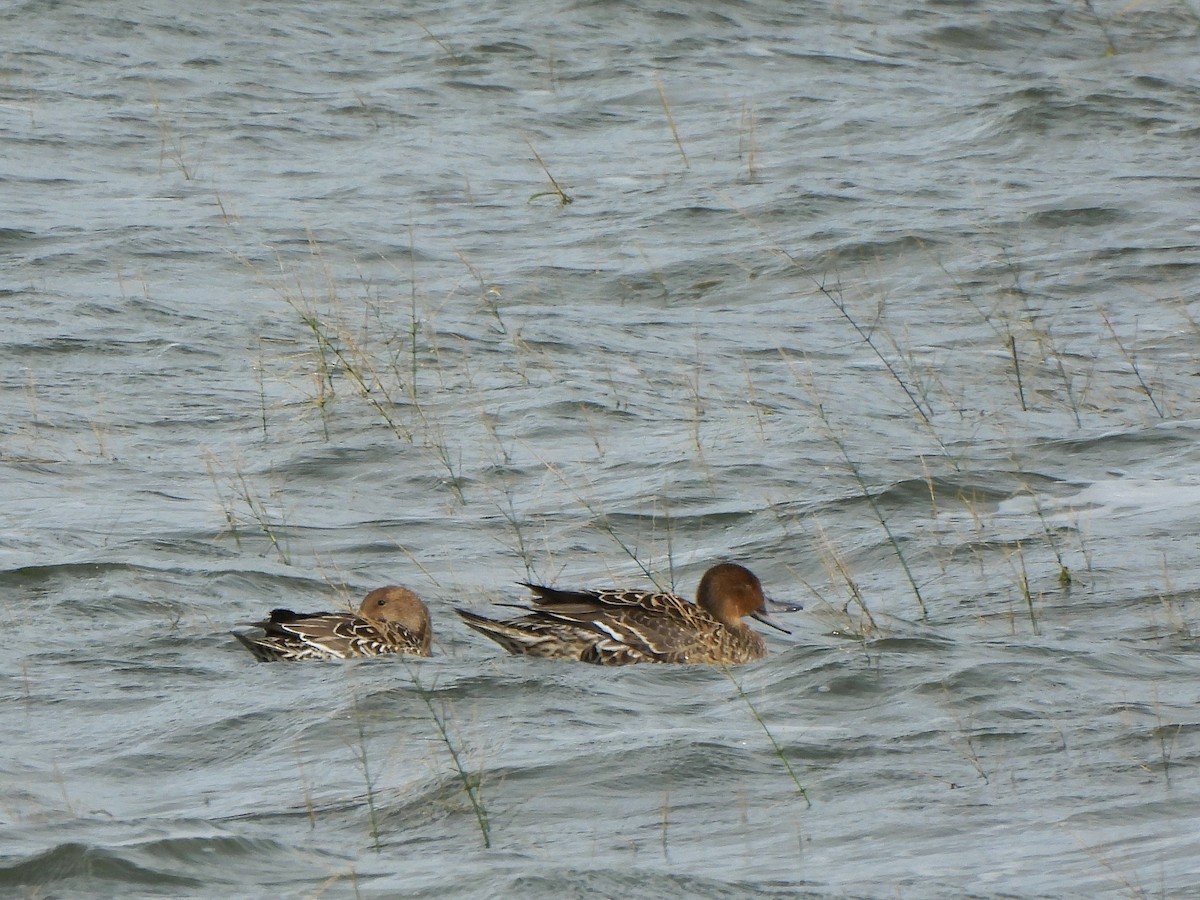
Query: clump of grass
x=489, y=295
x=516, y=527
x=436, y=442
x=380, y=375
x=337, y=350
x=240, y=489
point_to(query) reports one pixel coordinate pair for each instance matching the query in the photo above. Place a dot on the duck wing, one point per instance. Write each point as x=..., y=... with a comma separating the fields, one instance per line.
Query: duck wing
x=630, y=625
x=331, y=634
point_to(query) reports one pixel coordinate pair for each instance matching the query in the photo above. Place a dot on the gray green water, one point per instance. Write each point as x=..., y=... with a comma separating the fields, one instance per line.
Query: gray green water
x=895, y=305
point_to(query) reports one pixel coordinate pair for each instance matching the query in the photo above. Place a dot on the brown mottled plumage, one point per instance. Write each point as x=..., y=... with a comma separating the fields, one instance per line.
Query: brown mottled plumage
x=620, y=627
x=391, y=620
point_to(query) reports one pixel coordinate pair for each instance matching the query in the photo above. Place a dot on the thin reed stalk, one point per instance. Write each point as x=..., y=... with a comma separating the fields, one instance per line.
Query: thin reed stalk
x=1012, y=345
x=869, y=496
x=508, y=511
x=1110, y=49
x=253, y=502
x=748, y=142
x=170, y=145
x=471, y=783
x=558, y=192
x=1133, y=364
x=601, y=522
x=834, y=296
x=1064, y=573
x=364, y=761
x=1033, y=622
x=662, y=96
x=260, y=370
x=836, y=565
x=920, y=405
x=967, y=749
x=775, y=746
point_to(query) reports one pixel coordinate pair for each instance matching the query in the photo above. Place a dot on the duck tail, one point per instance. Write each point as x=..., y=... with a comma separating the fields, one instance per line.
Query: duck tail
x=264, y=652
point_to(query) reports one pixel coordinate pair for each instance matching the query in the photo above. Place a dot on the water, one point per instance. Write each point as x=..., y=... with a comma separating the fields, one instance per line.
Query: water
x=903, y=320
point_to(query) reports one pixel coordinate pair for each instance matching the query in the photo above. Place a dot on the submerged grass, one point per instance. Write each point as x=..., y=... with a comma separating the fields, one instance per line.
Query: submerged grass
x=426, y=385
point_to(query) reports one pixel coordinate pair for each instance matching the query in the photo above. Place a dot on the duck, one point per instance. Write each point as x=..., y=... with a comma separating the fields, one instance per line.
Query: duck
x=391, y=619
x=614, y=627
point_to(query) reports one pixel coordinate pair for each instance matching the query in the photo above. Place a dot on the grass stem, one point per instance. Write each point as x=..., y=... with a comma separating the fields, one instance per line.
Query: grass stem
x=558, y=192
x=662, y=95
x=471, y=783
x=776, y=748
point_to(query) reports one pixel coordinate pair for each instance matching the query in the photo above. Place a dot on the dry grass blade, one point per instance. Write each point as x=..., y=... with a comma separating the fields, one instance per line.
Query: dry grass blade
x=662, y=95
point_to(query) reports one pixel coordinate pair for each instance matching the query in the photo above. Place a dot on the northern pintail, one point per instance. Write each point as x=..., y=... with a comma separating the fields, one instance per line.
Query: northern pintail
x=619, y=627
x=390, y=620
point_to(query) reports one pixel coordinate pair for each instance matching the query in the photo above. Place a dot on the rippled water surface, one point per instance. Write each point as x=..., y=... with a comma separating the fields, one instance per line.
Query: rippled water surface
x=896, y=305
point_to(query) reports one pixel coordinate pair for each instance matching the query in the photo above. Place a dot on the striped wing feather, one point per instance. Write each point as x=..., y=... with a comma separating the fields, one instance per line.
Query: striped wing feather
x=532, y=637
x=332, y=635
x=617, y=627
x=627, y=625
